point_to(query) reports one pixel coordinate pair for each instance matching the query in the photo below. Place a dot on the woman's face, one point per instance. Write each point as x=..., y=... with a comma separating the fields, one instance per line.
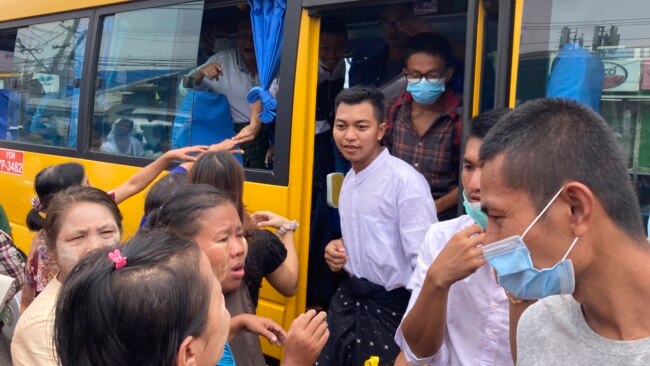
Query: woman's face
x=85, y=226
x=221, y=238
x=216, y=331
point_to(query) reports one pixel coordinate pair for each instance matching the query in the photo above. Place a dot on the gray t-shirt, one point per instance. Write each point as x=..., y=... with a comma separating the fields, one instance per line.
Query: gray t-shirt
x=553, y=331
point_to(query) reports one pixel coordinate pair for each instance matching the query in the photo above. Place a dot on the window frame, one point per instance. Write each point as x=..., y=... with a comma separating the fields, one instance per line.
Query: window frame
x=58, y=150
x=279, y=175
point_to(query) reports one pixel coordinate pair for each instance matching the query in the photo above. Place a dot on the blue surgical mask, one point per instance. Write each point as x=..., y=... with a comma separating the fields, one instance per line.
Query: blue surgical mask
x=473, y=209
x=426, y=92
x=511, y=260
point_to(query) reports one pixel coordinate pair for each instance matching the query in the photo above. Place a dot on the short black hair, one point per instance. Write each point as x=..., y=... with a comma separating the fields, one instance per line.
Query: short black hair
x=359, y=94
x=181, y=211
x=547, y=142
x=482, y=123
x=136, y=315
x=334, y=26
x=431, y=44
x=162, y=189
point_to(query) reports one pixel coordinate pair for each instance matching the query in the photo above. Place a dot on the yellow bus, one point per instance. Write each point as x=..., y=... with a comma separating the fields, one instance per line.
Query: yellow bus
x=69, y=70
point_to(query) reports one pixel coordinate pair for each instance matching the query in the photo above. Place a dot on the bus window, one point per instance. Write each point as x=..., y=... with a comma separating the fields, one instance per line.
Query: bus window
x=142, y=58
x=599, y=55
x=40, y=69
x=217, y=88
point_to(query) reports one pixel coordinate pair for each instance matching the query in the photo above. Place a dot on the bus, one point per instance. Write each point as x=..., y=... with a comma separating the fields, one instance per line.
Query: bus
x=70, y=70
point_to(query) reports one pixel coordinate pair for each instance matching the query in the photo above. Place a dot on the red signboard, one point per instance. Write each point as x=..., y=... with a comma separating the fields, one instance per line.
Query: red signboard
x=11, y=161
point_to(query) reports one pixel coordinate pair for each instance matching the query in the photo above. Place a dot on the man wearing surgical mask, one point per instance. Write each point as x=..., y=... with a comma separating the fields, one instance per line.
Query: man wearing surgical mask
x=457, y=314
x=564, y=220
x=424, y=126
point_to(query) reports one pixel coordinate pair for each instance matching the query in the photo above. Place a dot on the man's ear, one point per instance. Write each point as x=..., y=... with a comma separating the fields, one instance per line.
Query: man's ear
x=186, y=355
x=381, y=131
x=582, y=202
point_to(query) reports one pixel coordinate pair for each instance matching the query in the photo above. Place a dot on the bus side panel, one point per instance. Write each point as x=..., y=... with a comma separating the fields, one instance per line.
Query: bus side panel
x=18, y=190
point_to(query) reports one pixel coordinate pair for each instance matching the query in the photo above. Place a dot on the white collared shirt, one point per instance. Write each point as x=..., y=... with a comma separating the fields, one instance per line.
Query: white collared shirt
x=477, y=309
x=235, y=83
x=385, y=211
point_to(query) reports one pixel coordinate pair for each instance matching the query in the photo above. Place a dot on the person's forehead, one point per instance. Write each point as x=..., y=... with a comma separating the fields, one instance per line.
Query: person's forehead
x=425, y=60
x=360, y=110
x=472, y=148
x=244, y=26
x=494, y=192
x=395, y=13
x=332, y=37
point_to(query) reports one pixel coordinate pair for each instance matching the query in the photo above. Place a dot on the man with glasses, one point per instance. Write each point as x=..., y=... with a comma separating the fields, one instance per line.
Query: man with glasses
x=424, y=126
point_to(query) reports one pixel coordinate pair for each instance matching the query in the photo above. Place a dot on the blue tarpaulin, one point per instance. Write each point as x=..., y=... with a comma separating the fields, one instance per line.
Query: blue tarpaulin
x=577, y=74
x=267, y=19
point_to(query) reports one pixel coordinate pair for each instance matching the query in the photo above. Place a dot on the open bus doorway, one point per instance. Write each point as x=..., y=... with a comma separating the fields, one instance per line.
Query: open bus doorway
x=369, y=42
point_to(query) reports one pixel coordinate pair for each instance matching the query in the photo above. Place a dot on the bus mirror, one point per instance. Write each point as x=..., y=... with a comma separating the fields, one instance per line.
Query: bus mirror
x=334, y=183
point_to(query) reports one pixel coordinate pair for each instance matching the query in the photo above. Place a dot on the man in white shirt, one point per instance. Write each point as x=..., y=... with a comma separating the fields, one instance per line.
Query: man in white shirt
x=233, y=72
x=120, y=141
x=385, y=211
x=458, y=314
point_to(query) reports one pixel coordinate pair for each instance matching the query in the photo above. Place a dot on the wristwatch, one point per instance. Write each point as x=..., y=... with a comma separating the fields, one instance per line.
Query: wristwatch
x=289, y=226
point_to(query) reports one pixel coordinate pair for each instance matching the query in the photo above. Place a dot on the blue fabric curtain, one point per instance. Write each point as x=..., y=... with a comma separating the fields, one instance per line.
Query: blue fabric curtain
x=267, y=18
x=577, y=74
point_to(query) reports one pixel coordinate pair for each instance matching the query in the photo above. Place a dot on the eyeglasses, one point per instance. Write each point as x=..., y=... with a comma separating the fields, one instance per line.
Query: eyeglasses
x=414, y=78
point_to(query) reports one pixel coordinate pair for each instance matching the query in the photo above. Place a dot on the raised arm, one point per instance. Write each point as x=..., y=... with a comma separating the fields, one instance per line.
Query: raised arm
x=146, y=175
x=424, y=326
x=225, y=145
x=249, y=132
x=285, y=277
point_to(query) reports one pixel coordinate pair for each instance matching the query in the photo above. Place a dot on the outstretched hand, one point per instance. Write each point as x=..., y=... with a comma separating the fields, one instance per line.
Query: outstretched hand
x=226, y=145
x=189, y=153
x=248, y=133
x=264, y=327
x=212, y=71
x=268, y=219
x=307, y=336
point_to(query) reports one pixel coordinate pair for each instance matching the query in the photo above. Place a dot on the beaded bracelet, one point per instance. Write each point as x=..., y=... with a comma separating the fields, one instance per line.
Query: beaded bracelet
x=289, y=226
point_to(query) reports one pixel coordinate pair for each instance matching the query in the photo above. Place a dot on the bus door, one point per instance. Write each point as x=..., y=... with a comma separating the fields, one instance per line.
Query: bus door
x=370, y=30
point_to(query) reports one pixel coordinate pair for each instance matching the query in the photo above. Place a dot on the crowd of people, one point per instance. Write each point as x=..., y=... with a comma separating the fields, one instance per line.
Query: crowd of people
x=546, y=266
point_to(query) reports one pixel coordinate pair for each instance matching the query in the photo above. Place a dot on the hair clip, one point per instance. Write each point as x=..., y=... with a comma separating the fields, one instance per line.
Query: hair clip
x=117, y=258
x=36, y=204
